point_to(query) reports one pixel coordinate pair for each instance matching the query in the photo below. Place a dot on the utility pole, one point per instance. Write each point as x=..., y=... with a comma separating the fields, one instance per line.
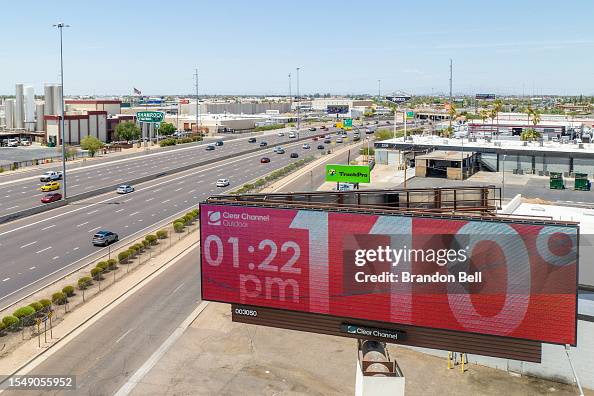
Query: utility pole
x=298, y=104
x=379, y=90
x=451, y=81
x=290, y=97
x=60, y=27
x=197, y=104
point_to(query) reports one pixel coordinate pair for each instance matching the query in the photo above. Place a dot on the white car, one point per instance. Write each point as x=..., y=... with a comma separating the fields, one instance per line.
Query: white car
x=292, y=135
x=339, y=140
x=12, y=143
x=222, y=182
x=281, y=134
x=306, y=146
x=125, y=189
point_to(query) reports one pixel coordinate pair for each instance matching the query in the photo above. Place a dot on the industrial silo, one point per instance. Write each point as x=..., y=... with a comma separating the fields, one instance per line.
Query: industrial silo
x=29, y=108
x=19, y=111
x=39, y=112
x=9, y=106
x=57, y=99
x=48, y=96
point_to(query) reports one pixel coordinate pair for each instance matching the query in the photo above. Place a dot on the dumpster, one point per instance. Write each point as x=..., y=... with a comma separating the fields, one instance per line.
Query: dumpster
x=581, y=182
x=556, y=181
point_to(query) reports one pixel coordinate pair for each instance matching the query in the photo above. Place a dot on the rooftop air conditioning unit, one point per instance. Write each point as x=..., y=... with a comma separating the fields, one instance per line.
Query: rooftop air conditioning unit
x=581, y=146
x=524, y=144
x=497, y=144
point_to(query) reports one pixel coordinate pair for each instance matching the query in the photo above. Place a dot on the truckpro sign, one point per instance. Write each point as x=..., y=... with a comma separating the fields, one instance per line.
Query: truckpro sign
x=348, y=173
x=507, y=278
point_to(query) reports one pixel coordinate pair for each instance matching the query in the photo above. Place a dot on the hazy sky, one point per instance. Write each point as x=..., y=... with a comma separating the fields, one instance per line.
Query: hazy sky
x=249, y=47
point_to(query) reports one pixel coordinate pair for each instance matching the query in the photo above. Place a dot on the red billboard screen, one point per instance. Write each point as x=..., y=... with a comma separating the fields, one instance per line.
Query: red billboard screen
x=503, y=278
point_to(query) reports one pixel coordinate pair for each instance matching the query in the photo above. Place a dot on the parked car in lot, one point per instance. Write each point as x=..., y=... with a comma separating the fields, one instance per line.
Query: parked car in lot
x=104, y=238
x=125, y=189
x=306, y=146
x=320, y=147
x=252, y=140
x=294, y=155
x=209, y=147
x=12, y=143
x=51, y=197
x=313, y=129
x=219, y=143
x=223, y=182
x=264, y=160
x=50, y=176
x=263, y=144
x=50, y=186
x=25, y=142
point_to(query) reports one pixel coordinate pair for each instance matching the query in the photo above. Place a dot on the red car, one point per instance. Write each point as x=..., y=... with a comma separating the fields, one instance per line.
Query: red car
x=323, y=127
x=315, y=138
x=51, y=197
x=264, y=160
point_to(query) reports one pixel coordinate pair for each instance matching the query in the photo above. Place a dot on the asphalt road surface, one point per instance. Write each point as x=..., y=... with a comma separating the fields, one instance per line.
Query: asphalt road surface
x=24, y=193
x=41, y=248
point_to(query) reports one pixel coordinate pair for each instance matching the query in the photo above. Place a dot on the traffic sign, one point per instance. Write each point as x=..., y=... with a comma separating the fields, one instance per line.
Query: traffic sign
x=150, y=116
x=410, y=114
x=348, y=123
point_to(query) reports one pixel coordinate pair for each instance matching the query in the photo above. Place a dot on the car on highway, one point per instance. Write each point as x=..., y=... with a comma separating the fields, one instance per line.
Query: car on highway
x=356, y=138
x=388, y=123
x=376, y=122
x=51, y=197
x=327, y=141
x=339, y=140
x=50, y=176
x=323, y=127
x=252, y=140
x=104, y=238
x=320, y=147
x=315, y=138
x=279, y=151
x=223, y=182
x=209, y=147
x=292, y=135
x=125, y=189
x=219, y=143
x=264, y=160
x=306, y=146
x=281, y=134
x=313, y=129
x=263, y=144
x=294, y=155
x=50, y=186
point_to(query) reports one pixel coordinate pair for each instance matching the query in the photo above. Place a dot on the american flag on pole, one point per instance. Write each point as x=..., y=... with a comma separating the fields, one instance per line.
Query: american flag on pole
x=137, y=91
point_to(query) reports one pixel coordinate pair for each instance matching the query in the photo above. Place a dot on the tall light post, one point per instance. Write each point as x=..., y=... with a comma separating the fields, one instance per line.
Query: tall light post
x=60, y=27
x=503, y=178
x=379, y=90
x=298, y=104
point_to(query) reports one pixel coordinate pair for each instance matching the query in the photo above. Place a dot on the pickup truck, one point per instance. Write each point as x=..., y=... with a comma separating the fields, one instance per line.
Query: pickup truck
x=50, y=176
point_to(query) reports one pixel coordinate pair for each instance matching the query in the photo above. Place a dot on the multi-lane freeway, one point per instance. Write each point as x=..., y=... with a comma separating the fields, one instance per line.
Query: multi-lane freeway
x=40, y=248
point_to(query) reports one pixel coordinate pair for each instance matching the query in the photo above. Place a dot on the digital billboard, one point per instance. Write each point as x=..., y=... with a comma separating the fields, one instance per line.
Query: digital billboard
x=502, y=278
x=337, y=109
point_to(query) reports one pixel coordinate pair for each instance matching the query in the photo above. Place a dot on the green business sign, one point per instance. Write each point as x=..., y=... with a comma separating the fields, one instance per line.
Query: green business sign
x=150, y=116
x=348, y=173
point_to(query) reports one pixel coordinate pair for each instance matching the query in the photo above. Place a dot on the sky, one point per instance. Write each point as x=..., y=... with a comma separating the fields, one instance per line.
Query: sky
x=341, y=47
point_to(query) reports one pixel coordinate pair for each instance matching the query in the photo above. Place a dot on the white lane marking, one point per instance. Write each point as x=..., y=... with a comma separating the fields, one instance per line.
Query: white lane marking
x=157, y=190
x=127, y=200
x=119, y=210
x=133, y=214
x=178, y=189
x=123, y=335
x=82, y=224
x=55, y=257
x=93, y=211
x=167, y=200
x=150, y=199
x=5, y=279
x=12, y=207
x=32, y=268
x=76, y=185
x=76, y=248
x=28, y=244
x=48, y=227
x=127, y=388
x=43, y=250
x=177, y=288
x=93, y=229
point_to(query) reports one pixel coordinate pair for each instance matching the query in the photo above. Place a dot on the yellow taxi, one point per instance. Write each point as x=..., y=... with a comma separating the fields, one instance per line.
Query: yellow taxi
x=51, y=186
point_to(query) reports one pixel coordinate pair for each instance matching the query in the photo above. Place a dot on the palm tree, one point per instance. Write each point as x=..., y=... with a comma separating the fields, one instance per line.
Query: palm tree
x=453, y=114
x=484, y=114
x=497, y=107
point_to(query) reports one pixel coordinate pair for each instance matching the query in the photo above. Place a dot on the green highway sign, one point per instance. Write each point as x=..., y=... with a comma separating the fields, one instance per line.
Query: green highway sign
x=348, y=173
x=410, y=114
x=348, y=123
x=150, y=116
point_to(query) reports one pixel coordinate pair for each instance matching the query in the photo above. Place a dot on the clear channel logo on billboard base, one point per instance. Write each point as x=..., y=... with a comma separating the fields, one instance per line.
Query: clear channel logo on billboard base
x=237, y=220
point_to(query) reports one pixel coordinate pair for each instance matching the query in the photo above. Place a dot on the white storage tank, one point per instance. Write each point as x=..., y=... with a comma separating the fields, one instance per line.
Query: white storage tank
x=48, y=96
x=39, y=112
x=57, y=99
x=29, y=108
x=19, y=111
x=9, y=106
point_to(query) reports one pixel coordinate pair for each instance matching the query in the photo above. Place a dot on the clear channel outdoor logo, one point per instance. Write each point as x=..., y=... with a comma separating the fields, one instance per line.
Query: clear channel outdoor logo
x=214, y=218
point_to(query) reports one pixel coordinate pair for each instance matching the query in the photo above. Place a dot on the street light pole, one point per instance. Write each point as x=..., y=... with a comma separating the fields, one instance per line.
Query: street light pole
x=503, y=177
x=298, y=104
x=60, y=27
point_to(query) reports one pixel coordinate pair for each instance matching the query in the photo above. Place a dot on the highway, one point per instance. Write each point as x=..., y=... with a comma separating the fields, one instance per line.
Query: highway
x=41, y=248
x=103, y=357
x=19, y=194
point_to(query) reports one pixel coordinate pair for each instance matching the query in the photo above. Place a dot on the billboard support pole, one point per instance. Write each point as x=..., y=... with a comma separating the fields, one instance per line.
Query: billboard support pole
x=577, y=380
